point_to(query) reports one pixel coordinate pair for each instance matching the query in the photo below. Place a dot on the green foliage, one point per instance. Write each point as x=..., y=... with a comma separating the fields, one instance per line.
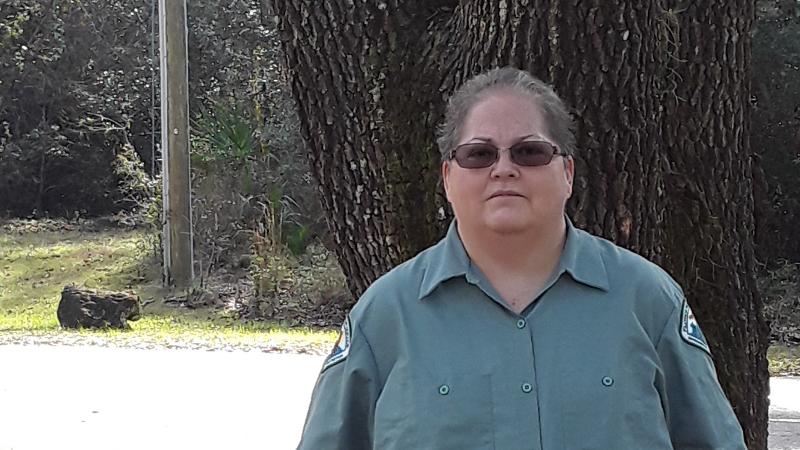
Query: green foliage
x=222, y=134
x=136, y=188
x=780, y=289
x=84, y=75
x=269, y=242
x=79, y=126
x=242, y=189
x=783, y=360
x=297, y=239
x=73, y=87
x=239, y=190
x=80, y=82
x=268, y=272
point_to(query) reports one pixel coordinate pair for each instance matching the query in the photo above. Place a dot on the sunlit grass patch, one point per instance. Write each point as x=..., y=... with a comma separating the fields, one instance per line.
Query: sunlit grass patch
x=214, y=329
x=35, y=266
x=783, y=360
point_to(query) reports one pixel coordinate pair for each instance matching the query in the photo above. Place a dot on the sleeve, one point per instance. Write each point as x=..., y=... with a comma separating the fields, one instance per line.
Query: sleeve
x=698, y=414
x=341, y=413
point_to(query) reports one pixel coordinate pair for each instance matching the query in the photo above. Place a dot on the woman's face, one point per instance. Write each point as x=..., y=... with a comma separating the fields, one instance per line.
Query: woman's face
x=505, y=197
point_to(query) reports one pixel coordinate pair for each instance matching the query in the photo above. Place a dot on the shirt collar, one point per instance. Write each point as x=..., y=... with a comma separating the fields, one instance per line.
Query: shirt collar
x=580, y=258
x=448, y=260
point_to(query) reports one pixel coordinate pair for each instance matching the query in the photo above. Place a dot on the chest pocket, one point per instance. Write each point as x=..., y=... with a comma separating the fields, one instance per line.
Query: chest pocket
x=453, y=411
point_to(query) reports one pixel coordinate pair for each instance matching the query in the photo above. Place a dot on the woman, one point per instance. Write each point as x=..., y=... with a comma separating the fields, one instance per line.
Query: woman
x=517, y=330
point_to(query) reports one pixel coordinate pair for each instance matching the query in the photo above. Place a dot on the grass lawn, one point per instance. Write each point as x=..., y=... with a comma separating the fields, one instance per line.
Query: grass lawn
x=35, y=266
x=784, y=360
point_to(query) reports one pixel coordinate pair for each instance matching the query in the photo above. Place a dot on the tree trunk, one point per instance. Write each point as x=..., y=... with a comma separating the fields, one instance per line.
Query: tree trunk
x=40, y=187
x=606, y=59
x=710, y=180
x=370, y=83
x=366, y=117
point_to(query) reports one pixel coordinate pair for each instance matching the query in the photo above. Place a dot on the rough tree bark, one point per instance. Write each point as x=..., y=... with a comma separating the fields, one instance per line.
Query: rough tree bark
x=370, y=79
x=711, y=224
x=368, y=121
x=606, y=60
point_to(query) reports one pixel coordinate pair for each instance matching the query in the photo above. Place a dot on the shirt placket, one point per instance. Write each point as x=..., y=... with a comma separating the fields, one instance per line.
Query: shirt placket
x=521, y=390
x=517, y=413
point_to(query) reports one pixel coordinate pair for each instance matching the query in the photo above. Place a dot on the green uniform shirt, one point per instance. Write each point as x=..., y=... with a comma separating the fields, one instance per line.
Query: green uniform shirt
x=608, y=357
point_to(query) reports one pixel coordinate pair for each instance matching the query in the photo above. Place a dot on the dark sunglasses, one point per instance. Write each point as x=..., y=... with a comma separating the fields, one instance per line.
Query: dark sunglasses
x=526, y=153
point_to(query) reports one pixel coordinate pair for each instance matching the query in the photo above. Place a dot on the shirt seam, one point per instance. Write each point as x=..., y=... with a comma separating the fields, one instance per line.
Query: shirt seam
x=372, y=357
x=675, y=308
x=371, y=419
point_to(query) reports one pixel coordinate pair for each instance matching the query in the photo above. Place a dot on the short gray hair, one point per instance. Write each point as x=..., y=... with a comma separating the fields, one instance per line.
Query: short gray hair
x=558, y=119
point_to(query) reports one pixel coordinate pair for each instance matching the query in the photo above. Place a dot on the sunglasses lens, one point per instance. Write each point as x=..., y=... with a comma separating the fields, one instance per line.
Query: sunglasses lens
x=532, y=153
x=527, y=153
x=475, y=156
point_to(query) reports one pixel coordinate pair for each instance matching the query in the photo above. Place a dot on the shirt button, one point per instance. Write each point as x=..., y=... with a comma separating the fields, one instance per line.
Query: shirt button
x=527, y=388
x=608, y=381
x=521, y=323
x=444, y=389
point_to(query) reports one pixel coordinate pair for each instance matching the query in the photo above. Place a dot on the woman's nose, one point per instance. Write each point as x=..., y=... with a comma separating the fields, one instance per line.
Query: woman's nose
x=504, y=167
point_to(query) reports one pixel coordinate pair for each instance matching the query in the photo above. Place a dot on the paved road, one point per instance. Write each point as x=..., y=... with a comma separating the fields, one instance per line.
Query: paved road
x=86, y=398
x=98, y=398
x=784, y=414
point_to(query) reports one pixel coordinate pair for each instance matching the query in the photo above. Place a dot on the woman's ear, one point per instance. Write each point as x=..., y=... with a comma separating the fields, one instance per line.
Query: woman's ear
x=446, y=178
x=569, y=173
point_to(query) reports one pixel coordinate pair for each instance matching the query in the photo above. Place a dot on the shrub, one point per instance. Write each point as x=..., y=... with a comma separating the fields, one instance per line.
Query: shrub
x=780, y=288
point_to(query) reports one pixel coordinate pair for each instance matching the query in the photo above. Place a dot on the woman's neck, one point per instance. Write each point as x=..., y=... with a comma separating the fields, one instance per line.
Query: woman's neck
x=534, y=253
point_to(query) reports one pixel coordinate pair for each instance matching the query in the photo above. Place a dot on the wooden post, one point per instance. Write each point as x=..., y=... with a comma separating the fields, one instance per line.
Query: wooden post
x=177, y=235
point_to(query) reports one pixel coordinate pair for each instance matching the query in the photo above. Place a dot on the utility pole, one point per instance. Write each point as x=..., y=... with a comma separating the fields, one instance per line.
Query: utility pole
x=177, y=234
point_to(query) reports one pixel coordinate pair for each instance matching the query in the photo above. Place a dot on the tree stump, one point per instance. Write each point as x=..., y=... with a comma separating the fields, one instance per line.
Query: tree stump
x=86, y=308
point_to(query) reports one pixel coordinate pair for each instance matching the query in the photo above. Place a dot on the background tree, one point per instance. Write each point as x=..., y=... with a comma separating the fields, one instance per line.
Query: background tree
x=64, y=120
x=776, y=128
x=79, y=87
x=661, y=100
x=711, y=226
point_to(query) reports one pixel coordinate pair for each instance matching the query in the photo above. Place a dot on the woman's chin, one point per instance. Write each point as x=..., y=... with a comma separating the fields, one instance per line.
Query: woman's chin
x=508, y=224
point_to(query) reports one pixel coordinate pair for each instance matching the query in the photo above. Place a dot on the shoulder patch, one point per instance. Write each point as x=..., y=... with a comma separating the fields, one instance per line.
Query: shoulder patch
x=341, y=348
x=690, y=329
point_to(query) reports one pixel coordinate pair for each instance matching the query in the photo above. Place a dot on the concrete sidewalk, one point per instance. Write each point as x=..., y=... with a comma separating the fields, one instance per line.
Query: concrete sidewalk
x=86, y=398
x=784, y=414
